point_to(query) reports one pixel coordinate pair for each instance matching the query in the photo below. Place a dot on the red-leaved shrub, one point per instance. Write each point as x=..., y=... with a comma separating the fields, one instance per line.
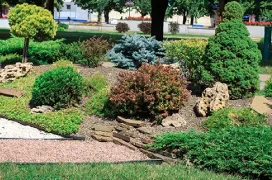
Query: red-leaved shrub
x=152, y=90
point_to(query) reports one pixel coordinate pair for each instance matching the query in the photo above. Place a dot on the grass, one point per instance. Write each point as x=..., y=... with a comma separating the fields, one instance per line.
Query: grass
x=62, y=122
x=106, y=171
x=76, y=35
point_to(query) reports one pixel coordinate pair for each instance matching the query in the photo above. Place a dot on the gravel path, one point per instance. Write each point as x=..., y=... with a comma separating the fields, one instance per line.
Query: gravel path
x=65, y=151
x=11, y=129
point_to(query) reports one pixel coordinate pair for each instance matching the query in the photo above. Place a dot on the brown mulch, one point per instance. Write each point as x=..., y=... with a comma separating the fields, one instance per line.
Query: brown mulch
x=187, y=111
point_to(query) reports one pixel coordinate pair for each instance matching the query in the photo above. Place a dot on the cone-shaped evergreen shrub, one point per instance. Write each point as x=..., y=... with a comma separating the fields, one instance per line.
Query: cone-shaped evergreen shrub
x=231, y=57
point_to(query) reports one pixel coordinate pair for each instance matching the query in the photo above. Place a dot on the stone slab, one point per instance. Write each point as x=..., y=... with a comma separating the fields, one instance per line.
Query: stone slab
x=121, y=136
x=103, y=128
x=124, y=143
x=101, y=133
x=261, y=105
x=102, y=138
x=129, y=122
x=11, y=92
x=144, y=130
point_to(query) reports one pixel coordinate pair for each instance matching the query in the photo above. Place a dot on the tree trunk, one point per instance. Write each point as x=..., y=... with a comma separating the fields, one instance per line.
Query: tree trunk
x=222, y=4
x=59, y=18
x=107, y=16
x=99, y=17
x=158, y=15
x=1, y=10
x=184, y=18
x=192, y=20
x=49, y=5
x=25, y=51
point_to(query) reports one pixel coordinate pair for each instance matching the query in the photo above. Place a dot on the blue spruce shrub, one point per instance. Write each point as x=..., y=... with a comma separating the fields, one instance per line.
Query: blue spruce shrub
x=133, y=50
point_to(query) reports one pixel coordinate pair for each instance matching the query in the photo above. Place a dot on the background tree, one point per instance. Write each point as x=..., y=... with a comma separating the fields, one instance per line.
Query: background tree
x=31, y=21
x=158, y=15
x=143, y=7
x=58, y=4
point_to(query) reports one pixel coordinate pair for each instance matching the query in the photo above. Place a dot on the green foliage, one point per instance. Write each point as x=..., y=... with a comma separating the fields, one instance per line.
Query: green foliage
x=98, y=86
x=242, y=150
x=59, y=87
x=143, y=7
x=122, y=27
x=145, y=27
x=232, y=57
x=268, y=88
x=174, y=27
x=95, y=50
x=64, y=63
x=189, y=53
x=39, y=52
x=132, y=51
x=9, y=59
x=31, y=21
x=234, y=117
x=152, y=90
x=62, y=122
x=233, y=10
x=64, y=26
x=74, y=52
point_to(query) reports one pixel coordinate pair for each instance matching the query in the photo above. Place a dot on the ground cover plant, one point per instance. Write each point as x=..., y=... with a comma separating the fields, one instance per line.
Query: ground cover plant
x=242, y=150
x=65, y=121
x=97, y=86
x=152, y=90
x=231, y=57
x=134, y=50
x=234, y=117
x=107, y=171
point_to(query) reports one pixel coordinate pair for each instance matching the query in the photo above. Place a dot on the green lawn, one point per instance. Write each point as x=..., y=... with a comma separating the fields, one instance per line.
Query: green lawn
x=107, y=172
x=76, y=35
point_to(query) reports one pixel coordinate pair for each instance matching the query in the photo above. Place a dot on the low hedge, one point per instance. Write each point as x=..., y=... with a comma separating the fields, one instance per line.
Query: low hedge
x=243, y=150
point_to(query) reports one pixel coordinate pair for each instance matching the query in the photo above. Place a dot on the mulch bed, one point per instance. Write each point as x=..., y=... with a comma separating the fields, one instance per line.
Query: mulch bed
x=187, y=111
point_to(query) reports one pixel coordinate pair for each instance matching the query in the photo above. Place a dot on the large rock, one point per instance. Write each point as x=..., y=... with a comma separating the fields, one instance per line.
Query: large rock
x=42, y=109
x=12, y=72
x=175, y=120
x=261, y=105
x=212, y=99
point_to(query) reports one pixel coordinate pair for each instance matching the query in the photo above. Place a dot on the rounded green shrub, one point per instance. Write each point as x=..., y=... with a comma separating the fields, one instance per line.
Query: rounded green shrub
x=234, y=117
x=232, y=57
x=268, y=88
x=59, y=87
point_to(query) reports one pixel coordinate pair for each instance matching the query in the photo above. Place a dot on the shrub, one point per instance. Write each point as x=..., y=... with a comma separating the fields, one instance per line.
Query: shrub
x=39, y=52
x=189, y=53
x=234, y=117
x=63, y=26
x=59, y=87
x=10, y=59
x=132, y=51
x=268, y=88
x=145, y=27
x=243, y=150
x=74, y=52
x=174, y=27
x=232, y=57
x=64, y=63
x=31, y=21
x=98, y=86
x=153, y=90
x=122, y=27
x=95, y=50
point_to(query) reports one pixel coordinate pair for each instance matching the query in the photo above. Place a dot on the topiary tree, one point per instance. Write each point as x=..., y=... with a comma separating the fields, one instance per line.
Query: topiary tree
x=31, y=21
x=231, y=56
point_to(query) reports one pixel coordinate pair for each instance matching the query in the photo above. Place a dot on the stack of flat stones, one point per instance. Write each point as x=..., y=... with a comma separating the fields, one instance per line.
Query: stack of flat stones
x=12, y=72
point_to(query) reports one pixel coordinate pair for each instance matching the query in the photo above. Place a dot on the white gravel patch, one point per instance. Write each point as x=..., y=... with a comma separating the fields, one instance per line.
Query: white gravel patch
x=11, y=129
